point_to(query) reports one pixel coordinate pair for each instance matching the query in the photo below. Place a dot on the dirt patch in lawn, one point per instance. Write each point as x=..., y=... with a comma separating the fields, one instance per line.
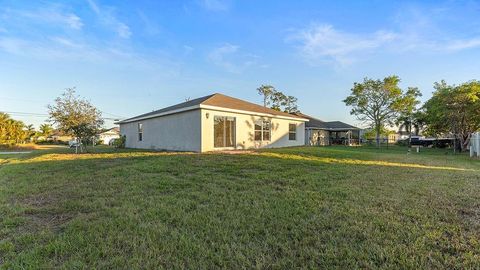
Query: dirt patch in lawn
x=471, y=215
x=41, y=213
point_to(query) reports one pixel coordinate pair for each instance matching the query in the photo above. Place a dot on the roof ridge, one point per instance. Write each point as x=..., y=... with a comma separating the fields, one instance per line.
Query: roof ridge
x=216, y=100
x=260, y=107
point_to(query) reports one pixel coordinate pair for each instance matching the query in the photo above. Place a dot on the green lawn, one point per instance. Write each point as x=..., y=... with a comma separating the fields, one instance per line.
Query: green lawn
x=330, y=207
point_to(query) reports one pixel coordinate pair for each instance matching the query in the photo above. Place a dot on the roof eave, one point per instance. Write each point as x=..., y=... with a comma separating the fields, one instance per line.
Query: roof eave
x=135, y=119
x=217, y=108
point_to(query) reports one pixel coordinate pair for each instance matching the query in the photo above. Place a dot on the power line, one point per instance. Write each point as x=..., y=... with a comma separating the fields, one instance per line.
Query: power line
x=45, y=115
x=36, y=101
x=25, y=113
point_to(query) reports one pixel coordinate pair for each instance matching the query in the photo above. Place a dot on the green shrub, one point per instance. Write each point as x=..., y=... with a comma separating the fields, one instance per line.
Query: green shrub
x=120, y=142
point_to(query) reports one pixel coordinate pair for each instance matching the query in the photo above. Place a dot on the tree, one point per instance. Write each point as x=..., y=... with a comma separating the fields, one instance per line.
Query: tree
x=75, y=116
x=266, y=91
x=454, y=110
x=11, y=131
x=408, y=112
x=45, y=130
x=379, y=102
x=291, y=104
x=371, y=134
x=412, y=124
x=29, y=132
x=278, y=100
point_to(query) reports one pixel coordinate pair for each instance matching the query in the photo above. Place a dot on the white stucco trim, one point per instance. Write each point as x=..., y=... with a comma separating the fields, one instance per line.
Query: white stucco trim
x=331, y=129
x=221, y=109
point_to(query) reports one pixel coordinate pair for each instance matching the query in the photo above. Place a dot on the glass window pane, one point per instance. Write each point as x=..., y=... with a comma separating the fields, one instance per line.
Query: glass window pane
x=266, y=135
x=292, y=136
x=258, y=125
x=258, y=135
x=224, y=131
x=229, y=132
x=218, y=129
x=292, y=127
x=266, y=125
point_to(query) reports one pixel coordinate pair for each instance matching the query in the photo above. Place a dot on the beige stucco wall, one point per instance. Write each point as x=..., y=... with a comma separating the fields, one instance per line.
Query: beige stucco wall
x=245, y=130
x=175, y=132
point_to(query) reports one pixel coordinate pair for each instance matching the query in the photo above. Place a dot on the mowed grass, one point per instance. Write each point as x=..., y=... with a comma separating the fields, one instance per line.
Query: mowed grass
x=328, y=207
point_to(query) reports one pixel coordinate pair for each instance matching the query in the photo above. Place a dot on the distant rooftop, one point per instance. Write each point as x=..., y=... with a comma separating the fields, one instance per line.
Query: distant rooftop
x=319, y=124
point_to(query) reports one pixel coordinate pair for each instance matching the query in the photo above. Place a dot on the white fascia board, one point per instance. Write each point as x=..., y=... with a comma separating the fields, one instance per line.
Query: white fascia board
x=215, y=108
x=332, y=129
x=159, y=114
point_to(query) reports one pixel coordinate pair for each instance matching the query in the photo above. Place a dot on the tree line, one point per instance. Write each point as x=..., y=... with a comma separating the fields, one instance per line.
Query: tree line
x=14, y=132
x=277, y=100
x=71, y=115
x=452, y=111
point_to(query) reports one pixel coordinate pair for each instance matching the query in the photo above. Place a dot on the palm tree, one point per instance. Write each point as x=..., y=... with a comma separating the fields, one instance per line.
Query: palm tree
x=30, y=132
x=412, y=124
x=46, y=130
x=11, y=131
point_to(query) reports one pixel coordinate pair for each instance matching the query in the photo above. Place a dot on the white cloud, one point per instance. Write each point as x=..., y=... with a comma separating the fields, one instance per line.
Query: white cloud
x=325, y=43
x=215, y=5
x=150, y=27
x=74, y=21
x=464, y=44
x=47, y=15
x=63, y=41
x=59, y=49
x=231, y=59
x=107, y=17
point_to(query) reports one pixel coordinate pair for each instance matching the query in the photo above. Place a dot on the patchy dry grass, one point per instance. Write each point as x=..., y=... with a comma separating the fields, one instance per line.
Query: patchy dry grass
x=331, y=207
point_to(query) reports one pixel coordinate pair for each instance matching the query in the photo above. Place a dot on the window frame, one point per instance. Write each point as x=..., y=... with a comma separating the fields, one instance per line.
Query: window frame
x=290, y=132
x=140, y=132
x=263, y=130
x=234, y=131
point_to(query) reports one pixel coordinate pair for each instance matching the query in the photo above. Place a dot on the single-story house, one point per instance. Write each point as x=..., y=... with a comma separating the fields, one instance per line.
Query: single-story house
x=107, y=136
x=214, y=122
x=321, y=133
x=59, y=136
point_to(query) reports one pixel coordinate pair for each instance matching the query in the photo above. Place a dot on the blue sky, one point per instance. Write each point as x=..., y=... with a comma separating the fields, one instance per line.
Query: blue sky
x=131, y=57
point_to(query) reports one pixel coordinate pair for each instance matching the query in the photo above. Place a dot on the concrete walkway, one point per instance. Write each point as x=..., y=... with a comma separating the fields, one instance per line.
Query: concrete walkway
x=7, y=153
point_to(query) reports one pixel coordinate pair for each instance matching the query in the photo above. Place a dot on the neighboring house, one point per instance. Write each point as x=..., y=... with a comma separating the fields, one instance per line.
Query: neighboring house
x=108, y=135
x=59, y=136
x=318, y=132
x=214, y=122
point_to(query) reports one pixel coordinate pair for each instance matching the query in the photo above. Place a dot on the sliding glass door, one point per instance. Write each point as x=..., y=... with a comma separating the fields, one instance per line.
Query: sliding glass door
x=224, y=131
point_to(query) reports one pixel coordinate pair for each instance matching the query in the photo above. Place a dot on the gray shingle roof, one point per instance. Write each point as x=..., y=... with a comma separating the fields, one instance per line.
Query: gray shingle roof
x=217, y=100
x=332, y=125
x=178, y=106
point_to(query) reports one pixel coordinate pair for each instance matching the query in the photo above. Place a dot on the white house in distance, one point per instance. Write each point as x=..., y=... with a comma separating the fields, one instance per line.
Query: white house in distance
x=214, y=122
x=108, y=135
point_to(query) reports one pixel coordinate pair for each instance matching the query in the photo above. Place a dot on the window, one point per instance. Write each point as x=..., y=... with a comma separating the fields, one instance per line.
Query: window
x=292, y=132
x=224, y=131
x=262, y=130
x=140, y=132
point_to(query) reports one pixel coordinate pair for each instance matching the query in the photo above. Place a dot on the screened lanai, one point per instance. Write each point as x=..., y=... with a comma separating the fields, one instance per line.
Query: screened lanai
x=321, y=133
